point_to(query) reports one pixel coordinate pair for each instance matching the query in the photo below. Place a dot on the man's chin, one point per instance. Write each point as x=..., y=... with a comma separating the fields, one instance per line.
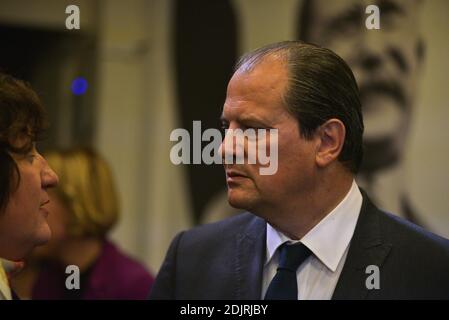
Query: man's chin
x=239, y=199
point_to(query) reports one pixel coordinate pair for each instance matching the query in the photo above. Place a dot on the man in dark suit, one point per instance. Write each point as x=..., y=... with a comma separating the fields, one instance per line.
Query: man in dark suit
x=311, y=233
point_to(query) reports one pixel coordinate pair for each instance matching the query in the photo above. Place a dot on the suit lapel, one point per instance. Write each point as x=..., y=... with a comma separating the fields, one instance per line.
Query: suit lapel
x=249, y=260
x=366, y=248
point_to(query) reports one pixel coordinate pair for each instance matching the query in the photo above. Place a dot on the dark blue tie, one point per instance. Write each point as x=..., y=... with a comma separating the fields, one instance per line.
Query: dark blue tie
x=284, y=285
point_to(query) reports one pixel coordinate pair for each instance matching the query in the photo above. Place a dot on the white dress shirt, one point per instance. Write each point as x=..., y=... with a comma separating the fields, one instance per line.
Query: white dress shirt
x=329, y=242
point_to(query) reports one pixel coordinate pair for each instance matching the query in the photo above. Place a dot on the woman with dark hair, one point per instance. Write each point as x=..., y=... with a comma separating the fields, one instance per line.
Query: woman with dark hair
x=24, y=174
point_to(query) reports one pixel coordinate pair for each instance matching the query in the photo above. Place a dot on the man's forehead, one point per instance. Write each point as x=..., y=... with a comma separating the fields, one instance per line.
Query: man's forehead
x=248, y=111
x=256, y=90
x=267, y=77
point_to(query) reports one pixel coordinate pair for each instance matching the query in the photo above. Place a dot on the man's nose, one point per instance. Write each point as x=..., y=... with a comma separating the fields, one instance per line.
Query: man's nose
x=227, y=148
x=49, y=177
x=221, y=149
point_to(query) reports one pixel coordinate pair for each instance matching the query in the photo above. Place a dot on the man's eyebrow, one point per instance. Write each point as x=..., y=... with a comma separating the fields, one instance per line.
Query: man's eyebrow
x=246, y=120
x=251, y=119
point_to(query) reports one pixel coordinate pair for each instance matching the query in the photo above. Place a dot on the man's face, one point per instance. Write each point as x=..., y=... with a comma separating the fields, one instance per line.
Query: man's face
x=254, y=100
x=385, y=63
x=23, y=224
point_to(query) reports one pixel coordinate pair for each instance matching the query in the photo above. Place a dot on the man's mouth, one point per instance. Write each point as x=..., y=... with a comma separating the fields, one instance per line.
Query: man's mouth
x=234, y=173
x=233, y=177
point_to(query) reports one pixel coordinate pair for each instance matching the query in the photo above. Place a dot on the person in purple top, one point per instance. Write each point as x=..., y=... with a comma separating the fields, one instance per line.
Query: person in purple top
x=84, y=209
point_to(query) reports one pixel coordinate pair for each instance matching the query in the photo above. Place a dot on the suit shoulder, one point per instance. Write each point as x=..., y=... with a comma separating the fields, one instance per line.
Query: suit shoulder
x=221, y=230
x=406, y=234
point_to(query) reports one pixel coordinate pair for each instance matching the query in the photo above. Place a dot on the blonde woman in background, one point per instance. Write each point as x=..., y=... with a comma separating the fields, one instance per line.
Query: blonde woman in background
x=84, y=209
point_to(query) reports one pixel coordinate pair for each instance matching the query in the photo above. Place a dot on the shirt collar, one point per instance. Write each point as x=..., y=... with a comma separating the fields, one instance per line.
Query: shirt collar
x=329, y=239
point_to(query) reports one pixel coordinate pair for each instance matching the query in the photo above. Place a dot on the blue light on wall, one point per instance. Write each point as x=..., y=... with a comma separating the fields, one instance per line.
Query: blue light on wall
x=79, y=86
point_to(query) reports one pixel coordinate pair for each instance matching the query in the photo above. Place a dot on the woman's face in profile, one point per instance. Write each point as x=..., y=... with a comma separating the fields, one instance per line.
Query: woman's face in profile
x=23, y=224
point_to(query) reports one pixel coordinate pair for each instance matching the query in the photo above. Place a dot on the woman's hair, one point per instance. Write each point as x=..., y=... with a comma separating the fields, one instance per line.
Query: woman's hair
x=22, y=118
x=87, y=188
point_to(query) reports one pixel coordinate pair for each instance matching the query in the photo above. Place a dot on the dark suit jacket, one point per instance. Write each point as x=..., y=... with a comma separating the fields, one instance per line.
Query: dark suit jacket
x=225, y=260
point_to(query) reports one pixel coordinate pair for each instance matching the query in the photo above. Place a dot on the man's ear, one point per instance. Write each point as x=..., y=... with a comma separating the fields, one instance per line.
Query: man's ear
x=331, y=135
